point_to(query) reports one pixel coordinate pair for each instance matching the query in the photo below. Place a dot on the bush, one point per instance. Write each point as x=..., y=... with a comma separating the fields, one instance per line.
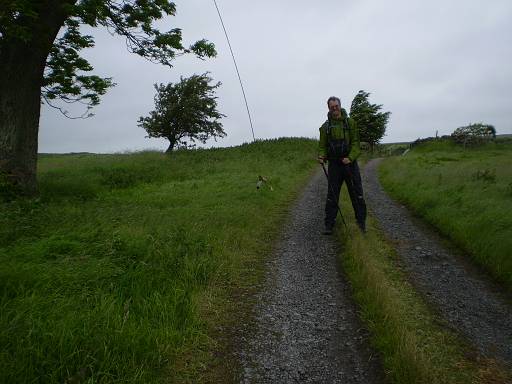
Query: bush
x=419, y=141
x=474, y=134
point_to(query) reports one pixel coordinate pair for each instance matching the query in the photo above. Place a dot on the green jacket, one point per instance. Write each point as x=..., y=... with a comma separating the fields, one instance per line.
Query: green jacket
x=351, y=135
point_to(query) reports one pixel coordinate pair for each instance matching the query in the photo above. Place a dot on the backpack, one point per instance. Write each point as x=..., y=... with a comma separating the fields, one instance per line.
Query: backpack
x=337, y=148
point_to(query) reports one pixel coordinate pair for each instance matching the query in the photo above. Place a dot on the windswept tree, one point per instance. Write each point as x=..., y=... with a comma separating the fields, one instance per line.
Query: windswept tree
x=40, y=44
x=474, y=134
x=185, y=111
x=370, y=121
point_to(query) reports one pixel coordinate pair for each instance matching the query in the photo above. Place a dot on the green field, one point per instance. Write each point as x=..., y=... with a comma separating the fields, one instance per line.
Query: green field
x=130, y=268
x=413, y=344
x=465, y=193
x=122, y=267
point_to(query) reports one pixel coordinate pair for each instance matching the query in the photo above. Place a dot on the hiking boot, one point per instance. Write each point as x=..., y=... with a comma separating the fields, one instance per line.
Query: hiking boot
x=362, y=227
x=327, y=230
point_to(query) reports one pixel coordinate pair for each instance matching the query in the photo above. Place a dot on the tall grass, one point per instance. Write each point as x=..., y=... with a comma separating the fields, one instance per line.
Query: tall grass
x=465, y=193
x=413, y=345
x=102, y=278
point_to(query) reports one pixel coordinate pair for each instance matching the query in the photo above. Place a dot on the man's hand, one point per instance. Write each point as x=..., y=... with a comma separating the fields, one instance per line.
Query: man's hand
x=346, y=161
x=321, y=159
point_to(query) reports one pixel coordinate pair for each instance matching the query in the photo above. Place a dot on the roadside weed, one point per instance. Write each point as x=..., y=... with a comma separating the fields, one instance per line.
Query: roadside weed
x=103, y=278
x=467, y=198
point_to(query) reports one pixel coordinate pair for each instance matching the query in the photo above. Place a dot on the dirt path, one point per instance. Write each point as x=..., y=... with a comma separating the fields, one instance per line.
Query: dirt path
x=307, y=329
x=462, y=297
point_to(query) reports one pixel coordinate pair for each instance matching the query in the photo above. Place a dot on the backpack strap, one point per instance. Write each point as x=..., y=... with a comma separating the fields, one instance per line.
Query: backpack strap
x=344, y=125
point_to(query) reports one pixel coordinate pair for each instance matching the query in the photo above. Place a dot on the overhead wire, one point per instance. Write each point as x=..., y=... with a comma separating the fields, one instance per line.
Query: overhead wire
x=236, y=68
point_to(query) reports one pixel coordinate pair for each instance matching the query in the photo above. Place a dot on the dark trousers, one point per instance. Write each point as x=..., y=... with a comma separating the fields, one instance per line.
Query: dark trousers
x=339, y=173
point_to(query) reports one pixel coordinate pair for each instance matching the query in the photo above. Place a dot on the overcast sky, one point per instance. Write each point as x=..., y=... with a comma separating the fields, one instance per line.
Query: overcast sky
x=435, y=65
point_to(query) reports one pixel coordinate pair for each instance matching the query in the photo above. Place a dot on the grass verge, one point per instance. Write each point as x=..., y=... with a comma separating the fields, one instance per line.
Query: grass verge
x=122, y=268
x=465, y=193
x=414, y=346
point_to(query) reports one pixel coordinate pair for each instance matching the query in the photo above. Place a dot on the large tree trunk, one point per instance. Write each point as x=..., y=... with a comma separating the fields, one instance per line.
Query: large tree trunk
x=20, y=90
x=172, y=144
x=22, y=66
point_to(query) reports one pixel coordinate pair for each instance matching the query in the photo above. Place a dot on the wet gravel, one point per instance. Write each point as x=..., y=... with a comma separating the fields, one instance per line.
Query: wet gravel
x=462, y=297
x=306, y=326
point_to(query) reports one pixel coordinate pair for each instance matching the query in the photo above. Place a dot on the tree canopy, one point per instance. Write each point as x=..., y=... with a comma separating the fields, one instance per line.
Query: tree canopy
x=185, y=111
x=474, y=134
x=370, y=121
x=64, y=75
x=40, y=46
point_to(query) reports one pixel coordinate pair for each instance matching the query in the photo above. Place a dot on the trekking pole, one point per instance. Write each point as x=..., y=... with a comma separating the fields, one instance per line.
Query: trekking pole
x=335, y=197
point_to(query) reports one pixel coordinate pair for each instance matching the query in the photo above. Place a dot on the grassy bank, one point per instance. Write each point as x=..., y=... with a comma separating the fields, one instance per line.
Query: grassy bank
x=107, y=277
x=414, y=346
x=465, y=193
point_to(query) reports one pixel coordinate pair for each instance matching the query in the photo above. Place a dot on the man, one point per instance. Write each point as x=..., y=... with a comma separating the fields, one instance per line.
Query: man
x=339, y=146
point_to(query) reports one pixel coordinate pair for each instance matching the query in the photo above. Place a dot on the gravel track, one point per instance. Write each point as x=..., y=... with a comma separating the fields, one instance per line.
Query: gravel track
x=463, y=298
x=306, y=326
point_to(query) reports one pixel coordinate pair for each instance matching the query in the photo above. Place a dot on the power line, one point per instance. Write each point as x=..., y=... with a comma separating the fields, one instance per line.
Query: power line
x=236, y=67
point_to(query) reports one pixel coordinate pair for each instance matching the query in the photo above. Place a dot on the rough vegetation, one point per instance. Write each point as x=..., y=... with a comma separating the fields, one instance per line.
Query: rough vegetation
x=474, y=134
x=40, y=59
x=105, y=277
x=456, y=297
x=465, y=193
x=185, y=112
x=130, y=267
x=370, y=120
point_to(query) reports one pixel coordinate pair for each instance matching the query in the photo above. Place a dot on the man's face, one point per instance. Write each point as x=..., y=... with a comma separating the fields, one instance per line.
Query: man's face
x=334, y=109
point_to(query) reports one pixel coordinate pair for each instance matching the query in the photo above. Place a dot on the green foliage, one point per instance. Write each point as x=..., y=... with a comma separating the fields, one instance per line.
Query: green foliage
x=185, y=111
x=464, y=193
x=370, y=121
x=435, y=145
x=413, y=346
x=508, y=189
x=126, y=176
x=22, y=21
x=103, y=278
x=11, y=10
x=392, y=149
x=474, y=134
x=485, y=175
x=64, y=78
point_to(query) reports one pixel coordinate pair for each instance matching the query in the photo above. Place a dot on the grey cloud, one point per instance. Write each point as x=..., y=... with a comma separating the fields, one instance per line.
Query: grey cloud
x=435, y=65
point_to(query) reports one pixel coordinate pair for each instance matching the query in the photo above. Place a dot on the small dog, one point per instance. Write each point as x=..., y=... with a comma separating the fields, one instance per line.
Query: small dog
x=262, y=180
